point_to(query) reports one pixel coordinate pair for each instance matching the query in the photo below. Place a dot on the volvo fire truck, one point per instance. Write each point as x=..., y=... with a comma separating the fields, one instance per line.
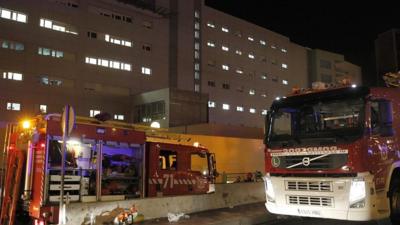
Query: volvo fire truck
x=334, y=153
x=105, y=161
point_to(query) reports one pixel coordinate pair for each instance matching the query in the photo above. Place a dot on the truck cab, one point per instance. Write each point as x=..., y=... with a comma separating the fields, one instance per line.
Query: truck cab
x=334, y=153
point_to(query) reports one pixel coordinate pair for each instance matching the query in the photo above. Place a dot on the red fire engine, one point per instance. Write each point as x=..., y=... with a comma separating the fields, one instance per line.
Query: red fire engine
x=105, y=161
x=335, y=153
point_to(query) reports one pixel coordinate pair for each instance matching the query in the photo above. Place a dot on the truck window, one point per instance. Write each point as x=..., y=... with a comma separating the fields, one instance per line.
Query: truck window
x=121, y=171
x=374, y=117
x=198, y=162
x=168, y=160
x=381, y=118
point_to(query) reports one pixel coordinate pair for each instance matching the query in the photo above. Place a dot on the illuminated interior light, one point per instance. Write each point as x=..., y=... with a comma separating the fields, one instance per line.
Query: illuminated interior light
x=26, y=124
x=155, y=124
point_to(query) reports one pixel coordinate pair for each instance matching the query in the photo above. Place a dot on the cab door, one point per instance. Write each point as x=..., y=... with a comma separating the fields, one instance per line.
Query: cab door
x=382, y=143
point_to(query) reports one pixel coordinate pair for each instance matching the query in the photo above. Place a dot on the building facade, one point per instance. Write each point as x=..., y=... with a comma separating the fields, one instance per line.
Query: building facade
x=387, y=52
x=329, y=67
x=111, y=55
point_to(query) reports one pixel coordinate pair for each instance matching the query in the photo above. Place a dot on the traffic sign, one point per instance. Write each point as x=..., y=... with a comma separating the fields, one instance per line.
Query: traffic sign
x=68, y=119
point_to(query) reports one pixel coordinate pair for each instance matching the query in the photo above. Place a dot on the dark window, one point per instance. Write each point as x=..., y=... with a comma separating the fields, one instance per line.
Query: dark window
x=92, y=35
x=211, y=83
x=146, y=47
x=327, y=78
x=325, y=64
x=167, y=160
x=225, y=86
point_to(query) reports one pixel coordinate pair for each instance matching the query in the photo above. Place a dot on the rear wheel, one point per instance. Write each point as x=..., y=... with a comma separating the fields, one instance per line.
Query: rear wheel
x=394, y=195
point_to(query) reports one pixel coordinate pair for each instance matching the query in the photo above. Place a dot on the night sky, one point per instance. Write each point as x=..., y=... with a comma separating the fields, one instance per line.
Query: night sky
x=334, y=26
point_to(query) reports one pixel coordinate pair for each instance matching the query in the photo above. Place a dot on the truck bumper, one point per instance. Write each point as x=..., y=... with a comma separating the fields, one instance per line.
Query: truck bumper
x=322, y=197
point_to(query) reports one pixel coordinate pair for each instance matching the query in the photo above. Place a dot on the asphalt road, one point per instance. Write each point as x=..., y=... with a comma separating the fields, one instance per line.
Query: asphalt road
x=310, y=221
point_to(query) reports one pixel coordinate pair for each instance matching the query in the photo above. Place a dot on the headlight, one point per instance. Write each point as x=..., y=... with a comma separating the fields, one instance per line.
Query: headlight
x=269, y=190
x=357, y=194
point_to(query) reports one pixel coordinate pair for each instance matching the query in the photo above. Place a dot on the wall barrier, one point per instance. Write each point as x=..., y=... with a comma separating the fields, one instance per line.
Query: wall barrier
x=226, y=195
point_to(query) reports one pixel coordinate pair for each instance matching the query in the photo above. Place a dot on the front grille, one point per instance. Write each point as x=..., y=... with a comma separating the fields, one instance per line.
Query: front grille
x=322, y=186
x=314, y=162
x=310, y=200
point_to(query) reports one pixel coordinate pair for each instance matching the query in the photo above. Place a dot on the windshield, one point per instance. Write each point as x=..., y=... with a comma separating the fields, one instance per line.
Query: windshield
x=336, y=119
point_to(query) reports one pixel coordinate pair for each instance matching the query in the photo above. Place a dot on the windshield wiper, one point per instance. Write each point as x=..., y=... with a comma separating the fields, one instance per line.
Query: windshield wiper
x=341, y=136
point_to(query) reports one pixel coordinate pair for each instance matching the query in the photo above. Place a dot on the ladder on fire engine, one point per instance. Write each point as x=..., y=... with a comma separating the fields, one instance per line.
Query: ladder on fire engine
x=392, y=79
x=13, y=163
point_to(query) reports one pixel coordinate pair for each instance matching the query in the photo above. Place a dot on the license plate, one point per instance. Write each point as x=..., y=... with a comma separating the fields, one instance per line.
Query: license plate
x=308, y=212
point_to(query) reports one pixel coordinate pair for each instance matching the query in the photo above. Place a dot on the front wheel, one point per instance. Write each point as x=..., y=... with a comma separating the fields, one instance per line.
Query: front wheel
x=394, y=195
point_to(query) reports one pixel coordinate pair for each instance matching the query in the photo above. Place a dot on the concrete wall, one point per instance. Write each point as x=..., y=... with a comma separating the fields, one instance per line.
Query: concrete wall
x=226, y=195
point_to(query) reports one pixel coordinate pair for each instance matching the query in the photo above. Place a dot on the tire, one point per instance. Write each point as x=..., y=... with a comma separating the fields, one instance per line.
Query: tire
x=394, y=197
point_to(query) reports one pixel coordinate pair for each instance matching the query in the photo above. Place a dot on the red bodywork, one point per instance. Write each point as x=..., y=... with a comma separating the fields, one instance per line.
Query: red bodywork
x=370, y=153
x=174, y=182
x=179, y=182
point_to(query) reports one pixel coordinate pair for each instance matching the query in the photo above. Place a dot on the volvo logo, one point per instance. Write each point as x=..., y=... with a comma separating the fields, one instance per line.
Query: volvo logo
x=306, y=161
x=276, y=162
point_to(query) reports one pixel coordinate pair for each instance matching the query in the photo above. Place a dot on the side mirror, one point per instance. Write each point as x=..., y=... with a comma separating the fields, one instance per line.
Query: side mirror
x=266, y=126
x=386, y=118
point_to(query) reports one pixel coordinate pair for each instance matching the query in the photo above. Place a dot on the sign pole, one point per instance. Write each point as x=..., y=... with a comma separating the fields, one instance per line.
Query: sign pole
x=61, y=219
x=67, y=123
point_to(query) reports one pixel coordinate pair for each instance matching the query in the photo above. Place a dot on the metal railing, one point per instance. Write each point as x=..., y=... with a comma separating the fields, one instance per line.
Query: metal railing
x=231, y=178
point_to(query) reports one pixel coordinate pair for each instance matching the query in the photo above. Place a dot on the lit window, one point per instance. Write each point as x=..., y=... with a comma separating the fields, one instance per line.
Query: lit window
x=146, y=70
x=197, y=45
x=273, y=46
x=252, y=92
x=12, y=45
x=264, y=112
x=12, y=76
x=250, y=38
x=94, y=112
x=197, y=26
x=13, y=15
x=197, y=75
x=252, y=110
x=225, y=67
x=58, y=26
x=117, y=40
x=284, y=50
x=196, y=87
x=225, y=48
x=239, y=108
x=251, y=56
x=284, y=66
x=239, y=71
x=43, y=108
x=210, y=24
x=225, y=106
x=210, y=44
x=238, y=52
x=196, y=14
x=285, y=82
x=108, y=63
x=13, y=106
x=197, y=34
x=264, y=95
x=211, y=104
x=196, y=54
x=225, y=29
x=263, y=77
x=262, y=42
x=119, y=117
x=50, y=52
x=197, y=66
x=50, y=81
